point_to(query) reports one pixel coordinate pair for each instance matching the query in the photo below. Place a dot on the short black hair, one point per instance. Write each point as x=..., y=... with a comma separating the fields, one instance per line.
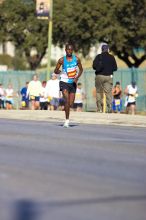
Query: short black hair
x=68, y=45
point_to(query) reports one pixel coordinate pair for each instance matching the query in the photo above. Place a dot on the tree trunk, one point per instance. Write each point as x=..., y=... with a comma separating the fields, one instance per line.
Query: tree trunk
x=34, y=61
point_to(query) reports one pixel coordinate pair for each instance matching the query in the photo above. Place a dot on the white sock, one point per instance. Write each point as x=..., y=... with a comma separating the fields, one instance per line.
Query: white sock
x=67, y=121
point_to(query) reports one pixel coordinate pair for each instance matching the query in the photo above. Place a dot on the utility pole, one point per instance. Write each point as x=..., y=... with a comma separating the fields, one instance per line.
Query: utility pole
x=44, y=10
x=49, y=40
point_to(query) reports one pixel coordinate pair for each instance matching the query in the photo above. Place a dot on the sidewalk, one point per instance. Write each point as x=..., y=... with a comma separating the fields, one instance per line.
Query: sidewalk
x=76, y=117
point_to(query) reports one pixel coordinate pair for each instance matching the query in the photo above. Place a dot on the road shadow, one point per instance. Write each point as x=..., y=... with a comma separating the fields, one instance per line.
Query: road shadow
x=25, y=210
x=114, y=199
x=70, y=126
x=29, y=210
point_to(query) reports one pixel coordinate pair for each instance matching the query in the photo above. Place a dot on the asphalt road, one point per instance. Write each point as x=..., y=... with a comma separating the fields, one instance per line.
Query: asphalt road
x=85, y=172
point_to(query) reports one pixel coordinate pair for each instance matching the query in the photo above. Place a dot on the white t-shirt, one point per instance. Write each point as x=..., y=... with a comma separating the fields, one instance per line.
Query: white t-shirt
x=132, y=91
x=42, y=97
x=2, y=96
x=79, y=96
x=9, y=94
x=52, y=88
x=34, y=88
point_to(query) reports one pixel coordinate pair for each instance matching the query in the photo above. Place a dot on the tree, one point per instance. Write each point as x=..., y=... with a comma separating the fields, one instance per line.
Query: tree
x=125, y=29
x=85, y=23
x=20, y=25
x=122, y=24
x=74, y=21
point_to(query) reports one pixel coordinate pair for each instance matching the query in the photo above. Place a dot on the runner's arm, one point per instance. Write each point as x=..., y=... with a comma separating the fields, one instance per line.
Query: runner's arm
x=80, y=70
x=58, y=65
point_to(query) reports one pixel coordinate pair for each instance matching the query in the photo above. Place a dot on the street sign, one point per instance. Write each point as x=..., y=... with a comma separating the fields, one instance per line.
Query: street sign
x=43, y=9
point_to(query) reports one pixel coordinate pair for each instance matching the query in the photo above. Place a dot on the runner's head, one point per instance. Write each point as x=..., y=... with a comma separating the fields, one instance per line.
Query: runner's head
x=69, y=50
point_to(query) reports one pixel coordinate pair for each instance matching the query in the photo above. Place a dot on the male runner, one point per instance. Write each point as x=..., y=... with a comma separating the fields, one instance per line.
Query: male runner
x=68, y=78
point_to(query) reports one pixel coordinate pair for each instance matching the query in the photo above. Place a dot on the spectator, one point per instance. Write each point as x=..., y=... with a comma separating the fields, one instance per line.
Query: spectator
x=2, y=97
x=9, y=94
x=104, y=65
x=79, y=97
x=53, y=91
x=43, y=99
x=117, y=101
x=34, y=91
x=130, y=101
x=25, y=98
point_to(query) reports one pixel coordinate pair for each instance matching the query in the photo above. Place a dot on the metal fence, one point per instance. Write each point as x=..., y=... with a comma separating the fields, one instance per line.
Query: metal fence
x=125, y=76
x=18, y=80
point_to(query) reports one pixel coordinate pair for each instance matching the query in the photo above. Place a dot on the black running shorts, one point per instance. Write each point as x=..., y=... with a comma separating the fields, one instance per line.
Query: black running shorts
x=70, y=87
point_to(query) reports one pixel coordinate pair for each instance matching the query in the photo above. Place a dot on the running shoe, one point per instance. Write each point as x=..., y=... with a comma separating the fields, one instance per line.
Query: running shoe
x=66, y=124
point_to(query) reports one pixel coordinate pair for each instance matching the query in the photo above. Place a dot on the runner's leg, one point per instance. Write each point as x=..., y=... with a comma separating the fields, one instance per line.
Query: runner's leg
x=71, y=98
x=67, y=103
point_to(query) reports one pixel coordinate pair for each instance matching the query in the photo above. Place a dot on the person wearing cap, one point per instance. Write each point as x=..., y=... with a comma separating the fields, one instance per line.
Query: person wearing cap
x=104, y=65
x=71, y=71
x=131, y=92
x=117, y=101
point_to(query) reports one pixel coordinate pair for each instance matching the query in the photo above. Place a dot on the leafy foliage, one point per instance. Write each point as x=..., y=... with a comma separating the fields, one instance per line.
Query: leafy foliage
x=20, y=25
x=7, y=60
x=122, y=24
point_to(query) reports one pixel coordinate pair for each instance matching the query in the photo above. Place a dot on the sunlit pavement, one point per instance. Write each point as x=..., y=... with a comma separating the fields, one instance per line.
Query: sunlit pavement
x=78, y=117
x=85, y=172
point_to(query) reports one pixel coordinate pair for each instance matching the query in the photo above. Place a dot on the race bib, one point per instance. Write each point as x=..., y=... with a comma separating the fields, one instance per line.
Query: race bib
x=49, y=98
x=71, y=72
x=78, y=96
x=117, y=102
x=32, y=97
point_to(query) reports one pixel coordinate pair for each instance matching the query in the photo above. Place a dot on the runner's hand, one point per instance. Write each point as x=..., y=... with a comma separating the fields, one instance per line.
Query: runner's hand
x=76, y=80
